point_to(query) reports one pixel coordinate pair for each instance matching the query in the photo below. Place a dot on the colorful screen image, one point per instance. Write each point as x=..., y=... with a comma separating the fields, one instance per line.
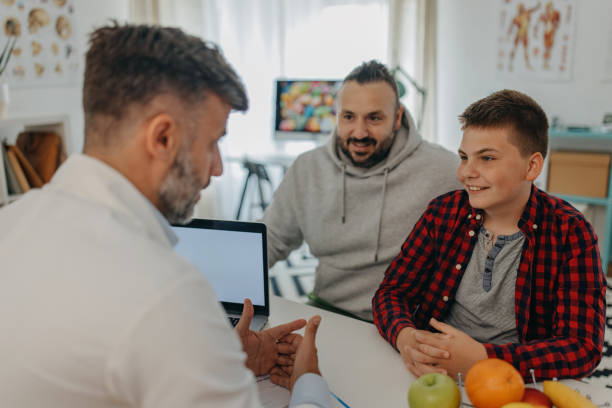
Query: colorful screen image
x=306, y=105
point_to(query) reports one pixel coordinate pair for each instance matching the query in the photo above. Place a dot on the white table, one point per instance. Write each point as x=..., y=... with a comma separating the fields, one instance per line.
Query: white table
x=360, y=366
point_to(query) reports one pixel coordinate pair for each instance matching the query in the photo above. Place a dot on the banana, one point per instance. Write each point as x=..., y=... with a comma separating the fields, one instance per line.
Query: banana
x=564, y=397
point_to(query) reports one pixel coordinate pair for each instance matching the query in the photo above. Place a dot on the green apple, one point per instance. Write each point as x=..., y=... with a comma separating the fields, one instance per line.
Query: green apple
x=434, y=390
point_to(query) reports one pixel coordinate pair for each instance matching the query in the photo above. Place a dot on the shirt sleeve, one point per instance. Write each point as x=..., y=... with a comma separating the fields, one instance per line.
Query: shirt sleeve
x=401, y=290
x=310, y=390
x=574, y=349
x=181, y=353
x=283, y=230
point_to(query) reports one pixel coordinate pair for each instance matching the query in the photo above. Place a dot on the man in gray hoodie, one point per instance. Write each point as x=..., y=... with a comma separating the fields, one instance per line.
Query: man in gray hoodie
x=355, y=199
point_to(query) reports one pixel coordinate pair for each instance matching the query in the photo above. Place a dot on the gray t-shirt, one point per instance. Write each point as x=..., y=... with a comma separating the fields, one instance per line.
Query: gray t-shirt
x=484, y=302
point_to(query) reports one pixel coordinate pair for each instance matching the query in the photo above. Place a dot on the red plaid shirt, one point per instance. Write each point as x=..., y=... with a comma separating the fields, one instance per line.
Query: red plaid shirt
x=560, y=286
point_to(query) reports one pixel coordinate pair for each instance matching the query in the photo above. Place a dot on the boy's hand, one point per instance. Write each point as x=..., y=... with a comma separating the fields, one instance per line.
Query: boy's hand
x=464, y=350
x=421, y=351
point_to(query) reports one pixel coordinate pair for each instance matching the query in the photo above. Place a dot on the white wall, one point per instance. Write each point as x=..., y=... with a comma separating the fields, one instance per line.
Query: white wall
x=467, y=32
x=53, y=100
x=466, y=54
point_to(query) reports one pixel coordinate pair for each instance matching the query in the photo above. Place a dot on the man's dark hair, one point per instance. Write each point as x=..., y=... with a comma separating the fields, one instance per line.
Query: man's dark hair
x=132, y=64
x=373, y=71
x=515, y=110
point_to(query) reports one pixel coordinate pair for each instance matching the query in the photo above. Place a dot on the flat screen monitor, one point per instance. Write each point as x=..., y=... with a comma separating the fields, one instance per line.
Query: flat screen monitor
x=305, y=108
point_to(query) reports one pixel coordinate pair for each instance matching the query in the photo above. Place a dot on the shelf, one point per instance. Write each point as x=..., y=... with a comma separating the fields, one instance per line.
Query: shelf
x=13, y=197
x=594, y=140
x=570, y=134
x=26, y=121
x=10, y=127
x=582, y=199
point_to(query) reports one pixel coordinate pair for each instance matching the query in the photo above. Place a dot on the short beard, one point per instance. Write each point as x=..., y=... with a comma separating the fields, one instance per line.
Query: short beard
x=180, y=190
x=379, y=154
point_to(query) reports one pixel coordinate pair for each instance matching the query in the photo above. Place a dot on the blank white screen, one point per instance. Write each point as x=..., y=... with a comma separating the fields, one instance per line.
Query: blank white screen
x=232, y=261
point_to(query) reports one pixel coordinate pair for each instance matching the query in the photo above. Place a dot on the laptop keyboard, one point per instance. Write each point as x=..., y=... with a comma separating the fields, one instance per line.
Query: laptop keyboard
x=234, y=321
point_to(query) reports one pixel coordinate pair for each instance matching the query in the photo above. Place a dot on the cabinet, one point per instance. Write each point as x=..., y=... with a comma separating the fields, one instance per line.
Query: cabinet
x=589, y=141
x=11, y=127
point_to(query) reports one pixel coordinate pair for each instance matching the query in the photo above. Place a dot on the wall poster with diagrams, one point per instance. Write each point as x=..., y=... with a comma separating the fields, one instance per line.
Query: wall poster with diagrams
x=536, y=39
x=45, y=51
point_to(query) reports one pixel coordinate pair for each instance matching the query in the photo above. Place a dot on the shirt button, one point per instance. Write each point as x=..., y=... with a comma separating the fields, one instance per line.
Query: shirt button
x=445, y=298
x=535, y=226
x=469, y=216
x=458, y=267
x=471, y=233
x=478, y=216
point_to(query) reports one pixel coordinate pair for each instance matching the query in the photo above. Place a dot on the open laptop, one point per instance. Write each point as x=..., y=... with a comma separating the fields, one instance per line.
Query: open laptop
x=232, y=255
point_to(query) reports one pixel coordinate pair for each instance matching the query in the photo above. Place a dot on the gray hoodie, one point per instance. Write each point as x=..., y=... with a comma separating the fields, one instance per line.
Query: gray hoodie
x=355, y=219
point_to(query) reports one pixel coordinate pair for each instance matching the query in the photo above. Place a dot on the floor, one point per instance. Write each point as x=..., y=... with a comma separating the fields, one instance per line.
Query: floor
x=294, y=279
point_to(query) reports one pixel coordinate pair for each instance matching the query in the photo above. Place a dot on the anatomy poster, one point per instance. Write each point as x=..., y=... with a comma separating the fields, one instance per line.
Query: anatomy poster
x=42, y=38
x=536, y=39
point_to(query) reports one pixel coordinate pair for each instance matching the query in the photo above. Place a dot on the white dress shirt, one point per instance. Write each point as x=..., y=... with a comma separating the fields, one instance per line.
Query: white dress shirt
x=97, y=310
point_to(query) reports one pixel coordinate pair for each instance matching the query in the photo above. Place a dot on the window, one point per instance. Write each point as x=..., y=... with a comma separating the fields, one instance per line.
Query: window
x=331, y=40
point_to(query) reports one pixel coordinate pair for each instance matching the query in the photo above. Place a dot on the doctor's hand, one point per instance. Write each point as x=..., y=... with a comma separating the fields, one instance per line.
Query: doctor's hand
x=420, y=351
x=282, y=371
x=269, y=348
x=307, y=360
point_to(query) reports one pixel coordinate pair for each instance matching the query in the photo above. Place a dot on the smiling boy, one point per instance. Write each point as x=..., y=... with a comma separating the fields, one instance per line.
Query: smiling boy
x=500, y=268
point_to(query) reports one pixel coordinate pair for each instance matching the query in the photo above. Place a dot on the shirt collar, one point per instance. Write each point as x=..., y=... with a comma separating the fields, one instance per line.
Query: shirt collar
x=476, y=215
x=528, y=221
x=93, y=180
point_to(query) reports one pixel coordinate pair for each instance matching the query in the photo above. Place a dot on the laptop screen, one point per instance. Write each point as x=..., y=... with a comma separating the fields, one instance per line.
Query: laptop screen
x=231, y=255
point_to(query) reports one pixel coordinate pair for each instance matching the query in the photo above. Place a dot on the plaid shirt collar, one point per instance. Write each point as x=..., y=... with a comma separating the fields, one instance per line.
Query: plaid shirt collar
x=528, y=223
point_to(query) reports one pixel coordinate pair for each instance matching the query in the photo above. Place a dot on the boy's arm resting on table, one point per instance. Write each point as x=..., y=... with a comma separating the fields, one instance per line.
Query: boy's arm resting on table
x=575, y=348
x=401, y=290
x=283, y=231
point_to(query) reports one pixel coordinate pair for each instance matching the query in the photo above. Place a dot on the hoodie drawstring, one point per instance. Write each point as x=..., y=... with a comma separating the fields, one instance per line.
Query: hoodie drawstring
x=342, y=193
x=380, y=215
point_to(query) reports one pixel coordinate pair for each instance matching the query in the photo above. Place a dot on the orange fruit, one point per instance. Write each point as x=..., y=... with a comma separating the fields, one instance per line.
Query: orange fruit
x=492, y=383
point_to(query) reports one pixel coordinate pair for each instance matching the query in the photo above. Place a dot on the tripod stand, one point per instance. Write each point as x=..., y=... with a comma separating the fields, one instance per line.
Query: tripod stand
x=257, y=170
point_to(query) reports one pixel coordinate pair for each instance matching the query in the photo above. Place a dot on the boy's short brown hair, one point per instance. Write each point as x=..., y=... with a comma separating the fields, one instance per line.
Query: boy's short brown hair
x=512, y=109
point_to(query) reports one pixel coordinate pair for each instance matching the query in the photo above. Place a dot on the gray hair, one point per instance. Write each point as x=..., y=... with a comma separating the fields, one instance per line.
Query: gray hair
x=132, y=64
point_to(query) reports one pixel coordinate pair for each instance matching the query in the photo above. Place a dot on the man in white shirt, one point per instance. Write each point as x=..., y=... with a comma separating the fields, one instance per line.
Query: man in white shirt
x=96, y=308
